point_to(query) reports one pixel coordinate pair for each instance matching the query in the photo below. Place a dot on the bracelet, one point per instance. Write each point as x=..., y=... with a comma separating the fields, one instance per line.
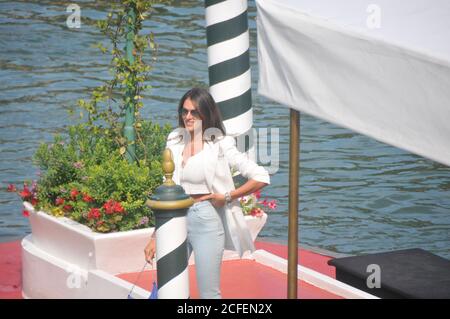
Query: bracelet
x=228, y=197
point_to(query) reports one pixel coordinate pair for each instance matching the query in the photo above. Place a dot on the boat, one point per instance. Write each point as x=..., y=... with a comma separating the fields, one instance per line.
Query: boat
x=338, y=64
x=259, y=276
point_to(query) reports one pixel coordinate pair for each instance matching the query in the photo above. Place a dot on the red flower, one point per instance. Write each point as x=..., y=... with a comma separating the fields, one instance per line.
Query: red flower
x=25, y=194
x=118, y=208
x=265, y=203
x=74, y=193
x=26, y=213
x=59, y=201
x=109, y=207
x=94, y=213
x=87, y=198
x=34, y=201
x=12, y=188
x=258, y=194
x=67, y=208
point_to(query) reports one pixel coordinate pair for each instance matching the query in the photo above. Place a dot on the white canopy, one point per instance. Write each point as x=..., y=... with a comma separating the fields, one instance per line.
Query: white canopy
x=381, y=68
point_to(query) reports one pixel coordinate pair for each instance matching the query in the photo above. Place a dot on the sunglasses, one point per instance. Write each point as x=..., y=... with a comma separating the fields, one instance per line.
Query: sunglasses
x=194, y=113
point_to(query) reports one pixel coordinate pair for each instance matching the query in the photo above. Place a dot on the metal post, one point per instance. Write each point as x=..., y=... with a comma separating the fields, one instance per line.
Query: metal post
x=170, y=204
x=130, y=109
x=294, y=163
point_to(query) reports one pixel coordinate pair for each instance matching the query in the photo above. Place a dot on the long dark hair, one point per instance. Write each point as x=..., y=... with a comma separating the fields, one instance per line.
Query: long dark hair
x=206, y=106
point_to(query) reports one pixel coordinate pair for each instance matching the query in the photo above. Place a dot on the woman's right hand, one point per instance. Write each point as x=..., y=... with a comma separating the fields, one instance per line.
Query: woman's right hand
x=150, y=251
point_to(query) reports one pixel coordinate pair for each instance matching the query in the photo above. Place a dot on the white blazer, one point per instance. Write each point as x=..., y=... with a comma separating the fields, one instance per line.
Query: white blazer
x=221, y=155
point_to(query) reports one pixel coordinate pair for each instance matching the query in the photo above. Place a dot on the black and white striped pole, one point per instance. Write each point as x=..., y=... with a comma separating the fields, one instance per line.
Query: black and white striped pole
x=228, y=43
x=170, y=203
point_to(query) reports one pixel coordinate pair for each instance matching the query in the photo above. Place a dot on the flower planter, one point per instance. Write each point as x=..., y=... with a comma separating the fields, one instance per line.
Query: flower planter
x=77, y=244
x=255, y=224
x=114, y=253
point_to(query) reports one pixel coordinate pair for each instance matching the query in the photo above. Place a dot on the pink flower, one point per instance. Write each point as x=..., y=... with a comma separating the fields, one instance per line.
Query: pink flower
x=34, y=187
x=257, y=212
x=144, y=221
x=252, y=205
x=59, y=201
x=78, y=165
x=272, y=204
x=12, y=188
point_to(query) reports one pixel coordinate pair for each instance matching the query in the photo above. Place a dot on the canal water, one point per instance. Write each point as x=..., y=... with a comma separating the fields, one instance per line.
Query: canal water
x=357, y=195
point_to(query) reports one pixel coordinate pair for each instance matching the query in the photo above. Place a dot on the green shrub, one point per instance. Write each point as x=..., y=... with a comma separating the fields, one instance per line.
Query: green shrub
x=84, y=174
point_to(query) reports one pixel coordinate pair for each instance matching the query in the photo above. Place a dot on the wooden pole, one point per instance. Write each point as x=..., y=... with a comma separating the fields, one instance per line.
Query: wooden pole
x=294, y=163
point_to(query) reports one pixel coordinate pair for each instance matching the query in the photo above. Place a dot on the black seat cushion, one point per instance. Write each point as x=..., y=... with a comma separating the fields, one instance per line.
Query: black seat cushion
x=410, y=273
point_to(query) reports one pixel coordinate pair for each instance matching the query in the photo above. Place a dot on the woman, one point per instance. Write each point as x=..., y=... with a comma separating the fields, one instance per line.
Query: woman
x=203, y=156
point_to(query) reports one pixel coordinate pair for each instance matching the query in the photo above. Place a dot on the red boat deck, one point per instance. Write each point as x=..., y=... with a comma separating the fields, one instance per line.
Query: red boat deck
x=10, y=270
x=255, y=280
x=307, y=258
x=247, y=279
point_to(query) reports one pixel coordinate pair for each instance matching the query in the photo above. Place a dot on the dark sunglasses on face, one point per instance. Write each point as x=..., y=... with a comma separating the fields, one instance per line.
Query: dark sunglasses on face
x=194, y=113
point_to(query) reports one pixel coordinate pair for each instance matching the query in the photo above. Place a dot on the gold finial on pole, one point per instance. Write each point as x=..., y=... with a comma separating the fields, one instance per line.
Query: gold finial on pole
x=172, y=198
x=168, y=167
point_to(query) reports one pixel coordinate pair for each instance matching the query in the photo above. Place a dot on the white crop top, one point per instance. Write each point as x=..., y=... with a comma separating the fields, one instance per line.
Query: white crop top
x=192, y=176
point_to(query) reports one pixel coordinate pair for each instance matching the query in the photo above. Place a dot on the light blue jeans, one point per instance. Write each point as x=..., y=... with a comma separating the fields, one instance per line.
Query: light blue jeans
x=206, y=238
